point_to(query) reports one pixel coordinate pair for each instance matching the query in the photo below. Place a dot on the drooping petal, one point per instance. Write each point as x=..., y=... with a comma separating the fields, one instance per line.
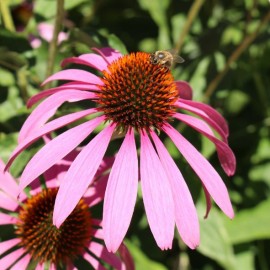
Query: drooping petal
x=55, y=150
x=101, y=252
x=80, y=175
x=184, y=90
x=90, y=59
x=108, y=54
x=47, y=109
x=126, y=257
x=121, y=193
x=208, y=201
x=76, y=75
x=6, y=219
x=12, y=257
x=47, y=128
x=225, y=154
x=68, y=86
x=6, y=245
x=185, y=212
x=208, y=175
x=22, y=263
x=157, y=195
x=210, y=112
x=7, y=182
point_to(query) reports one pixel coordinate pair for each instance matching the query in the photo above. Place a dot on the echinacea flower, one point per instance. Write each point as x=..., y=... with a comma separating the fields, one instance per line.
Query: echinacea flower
x=35, y=241
x=133, y=95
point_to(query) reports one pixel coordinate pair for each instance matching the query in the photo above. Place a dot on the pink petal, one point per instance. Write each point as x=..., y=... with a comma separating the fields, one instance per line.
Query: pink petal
x=56, y=173
x=22, y=263
x=210, y=178
x=96, y=222
x=7, y=182
x=108, y=54
x=93, y=261
x=90, y=59
x=47, y=128
x=210, y=113
x=157, y=195
x=6, y=245
x=184, y=90
x=46, y=32
x=68, y=86
x=6, y=219
x=98, y=233
x=40, y=266
x=126, y=257
x=52, y=266
x=101, y=252
x=9, y=259
x=76, y=75
x=70, y=266
x=55, y=150
x=185, y=212
x=121, y=193
x=225, y=154
x=7, y=203
x=80, y=175
x=95, y=194
x=204, y=116
x=47, y=109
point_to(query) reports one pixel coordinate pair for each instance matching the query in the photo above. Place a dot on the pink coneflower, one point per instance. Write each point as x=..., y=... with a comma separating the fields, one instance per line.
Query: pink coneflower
x=133, y=95
x=37, y=242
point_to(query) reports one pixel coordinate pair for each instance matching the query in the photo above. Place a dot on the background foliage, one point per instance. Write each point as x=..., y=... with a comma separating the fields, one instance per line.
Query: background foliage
x=226, y=45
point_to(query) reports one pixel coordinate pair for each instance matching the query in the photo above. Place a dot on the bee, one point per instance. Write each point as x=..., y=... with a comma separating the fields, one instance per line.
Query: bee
x=166, y=58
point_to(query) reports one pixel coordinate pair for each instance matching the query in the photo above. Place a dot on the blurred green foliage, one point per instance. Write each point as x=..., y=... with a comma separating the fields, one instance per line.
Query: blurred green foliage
x=218, y=31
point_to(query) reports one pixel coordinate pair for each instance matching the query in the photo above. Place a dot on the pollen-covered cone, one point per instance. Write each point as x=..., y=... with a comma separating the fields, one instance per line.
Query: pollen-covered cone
x=133, y=96
x=36, y=242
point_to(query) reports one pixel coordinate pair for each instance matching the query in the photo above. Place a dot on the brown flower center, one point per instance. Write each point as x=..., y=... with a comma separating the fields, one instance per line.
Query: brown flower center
x=137, y=93
x=42, y=240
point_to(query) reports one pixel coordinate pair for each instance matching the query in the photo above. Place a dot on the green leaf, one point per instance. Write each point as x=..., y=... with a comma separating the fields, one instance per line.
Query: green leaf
x=157, y=10
x=245, y=260
x=45, y=9
x=117, y=44
x=141, y=261
x=236, y=101
x=7, y=77
x=232, y=35
x=215, y=242
x=198, y=80
x=251, y=224
x=74, y=3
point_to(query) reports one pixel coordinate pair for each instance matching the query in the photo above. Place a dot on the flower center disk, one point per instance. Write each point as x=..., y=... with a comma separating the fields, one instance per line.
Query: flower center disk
x=136, y=93
x=42, y=240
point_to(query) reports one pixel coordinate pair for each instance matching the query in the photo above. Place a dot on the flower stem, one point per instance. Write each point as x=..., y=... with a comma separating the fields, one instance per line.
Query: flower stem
x=234, y=56
x=7, y=19
x=195, y=8
x=54, y=41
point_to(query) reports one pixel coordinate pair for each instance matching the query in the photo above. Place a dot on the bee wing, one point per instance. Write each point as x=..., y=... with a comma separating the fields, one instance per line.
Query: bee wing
x=176, y=58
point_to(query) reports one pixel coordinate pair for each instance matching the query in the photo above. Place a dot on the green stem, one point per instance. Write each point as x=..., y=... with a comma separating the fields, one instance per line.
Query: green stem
x=7, y=19
x=54, y=41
